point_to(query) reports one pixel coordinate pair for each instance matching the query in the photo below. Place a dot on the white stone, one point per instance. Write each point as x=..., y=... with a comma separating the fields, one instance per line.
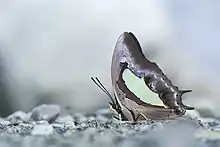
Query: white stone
x=42, y=130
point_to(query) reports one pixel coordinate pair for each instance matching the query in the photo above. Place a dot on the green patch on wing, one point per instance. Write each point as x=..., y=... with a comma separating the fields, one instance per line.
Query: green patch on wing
x=140, y=89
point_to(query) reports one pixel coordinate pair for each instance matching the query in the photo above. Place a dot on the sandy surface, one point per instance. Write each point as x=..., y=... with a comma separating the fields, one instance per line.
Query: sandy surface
x=47, y=128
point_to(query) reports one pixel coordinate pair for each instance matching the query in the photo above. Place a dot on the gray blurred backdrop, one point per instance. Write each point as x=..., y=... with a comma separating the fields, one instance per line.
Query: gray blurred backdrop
x=50, y=48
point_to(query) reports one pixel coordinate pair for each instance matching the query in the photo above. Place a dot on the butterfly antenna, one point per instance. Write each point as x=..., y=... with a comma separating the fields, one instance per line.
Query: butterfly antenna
x=116, y=103
x=97, y=79
x=102, y=87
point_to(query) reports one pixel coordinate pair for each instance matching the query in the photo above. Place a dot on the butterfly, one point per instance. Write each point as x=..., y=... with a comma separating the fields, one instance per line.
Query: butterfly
x=124, y=104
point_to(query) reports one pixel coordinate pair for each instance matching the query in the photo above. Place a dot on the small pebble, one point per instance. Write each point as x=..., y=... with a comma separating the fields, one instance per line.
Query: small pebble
x=17, y=117
x=45, y=112
x=80, y=118
x=42, y=130
x=5, y=123
x=68, y=121
x=63, y=119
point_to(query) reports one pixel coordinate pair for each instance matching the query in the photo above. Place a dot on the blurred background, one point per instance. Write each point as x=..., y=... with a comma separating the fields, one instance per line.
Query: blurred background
x=49, y=49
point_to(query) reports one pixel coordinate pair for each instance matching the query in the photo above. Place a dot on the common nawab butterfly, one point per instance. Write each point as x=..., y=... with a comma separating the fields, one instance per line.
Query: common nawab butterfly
x=125, y=105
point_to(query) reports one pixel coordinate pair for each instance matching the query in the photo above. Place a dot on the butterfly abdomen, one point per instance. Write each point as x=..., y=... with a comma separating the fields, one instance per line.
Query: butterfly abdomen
x=167, y=92
x=161, y=85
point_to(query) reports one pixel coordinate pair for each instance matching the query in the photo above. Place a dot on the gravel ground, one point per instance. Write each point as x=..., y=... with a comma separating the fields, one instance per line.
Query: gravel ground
x=44, y=126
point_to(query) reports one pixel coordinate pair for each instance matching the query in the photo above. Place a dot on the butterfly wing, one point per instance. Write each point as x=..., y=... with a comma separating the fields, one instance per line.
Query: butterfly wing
x=136, y=106
x=128, y=55
x=128, y=50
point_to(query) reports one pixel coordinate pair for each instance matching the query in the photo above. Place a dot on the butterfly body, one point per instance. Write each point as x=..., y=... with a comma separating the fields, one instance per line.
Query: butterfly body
x=128, y=55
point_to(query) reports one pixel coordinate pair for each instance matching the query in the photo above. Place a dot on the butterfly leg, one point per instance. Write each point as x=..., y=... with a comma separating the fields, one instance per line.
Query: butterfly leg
x=143, y=116
x=120, y=119
x=136, y=119
x=140, y=114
